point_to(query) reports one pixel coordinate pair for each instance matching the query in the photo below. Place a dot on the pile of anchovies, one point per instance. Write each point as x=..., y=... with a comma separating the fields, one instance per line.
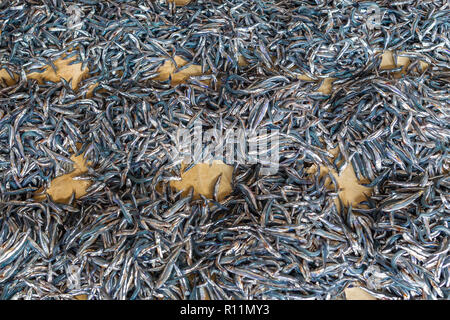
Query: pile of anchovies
x=280, y=236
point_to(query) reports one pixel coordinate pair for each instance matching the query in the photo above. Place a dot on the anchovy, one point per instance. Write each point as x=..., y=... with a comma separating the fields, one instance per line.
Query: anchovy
x=251, y=71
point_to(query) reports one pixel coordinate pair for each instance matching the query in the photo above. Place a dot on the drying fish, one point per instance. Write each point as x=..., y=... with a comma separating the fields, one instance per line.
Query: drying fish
x=276, y=236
